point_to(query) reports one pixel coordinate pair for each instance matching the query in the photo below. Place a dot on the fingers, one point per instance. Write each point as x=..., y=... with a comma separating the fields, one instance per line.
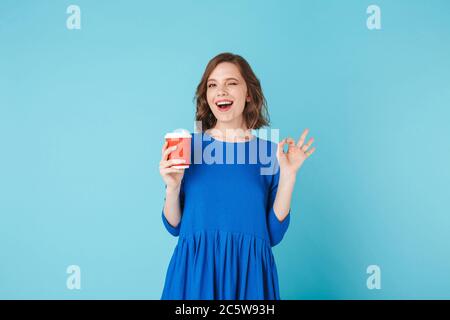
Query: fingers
x=310, y=152
x=302, y=138
x=168, y=163
x=166, y=152
x=172, y=170
x=281, y=146
x=290, y=142
x=306, y=146
x=164, y=147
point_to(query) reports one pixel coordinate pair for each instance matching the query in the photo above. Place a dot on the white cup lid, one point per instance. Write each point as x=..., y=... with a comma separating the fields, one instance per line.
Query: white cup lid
x=178, y=133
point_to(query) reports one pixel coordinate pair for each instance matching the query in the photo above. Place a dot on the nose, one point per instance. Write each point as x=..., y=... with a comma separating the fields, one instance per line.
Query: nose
x=221, y=92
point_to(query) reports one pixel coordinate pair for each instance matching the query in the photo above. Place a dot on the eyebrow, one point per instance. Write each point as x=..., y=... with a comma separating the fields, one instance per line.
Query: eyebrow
x=225, y=79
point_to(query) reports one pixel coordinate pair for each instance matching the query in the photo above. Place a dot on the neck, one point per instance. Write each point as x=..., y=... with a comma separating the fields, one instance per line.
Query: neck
x=230, y=131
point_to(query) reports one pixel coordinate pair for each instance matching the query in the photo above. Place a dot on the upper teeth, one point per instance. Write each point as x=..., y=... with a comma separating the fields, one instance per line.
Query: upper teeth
x=220, y=103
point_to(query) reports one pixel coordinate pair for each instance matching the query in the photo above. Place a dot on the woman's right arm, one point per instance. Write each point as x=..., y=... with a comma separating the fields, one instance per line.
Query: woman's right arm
x=172, y=178
x=172, y=209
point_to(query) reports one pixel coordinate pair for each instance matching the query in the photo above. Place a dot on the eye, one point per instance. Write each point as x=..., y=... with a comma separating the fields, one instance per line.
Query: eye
x=233, y=83
x=210, y=85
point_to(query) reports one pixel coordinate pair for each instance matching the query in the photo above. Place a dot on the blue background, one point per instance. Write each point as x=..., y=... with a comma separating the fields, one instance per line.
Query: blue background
x=83, y=114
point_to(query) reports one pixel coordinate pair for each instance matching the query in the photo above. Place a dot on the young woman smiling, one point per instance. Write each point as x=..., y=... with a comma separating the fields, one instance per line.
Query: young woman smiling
x=229, y=216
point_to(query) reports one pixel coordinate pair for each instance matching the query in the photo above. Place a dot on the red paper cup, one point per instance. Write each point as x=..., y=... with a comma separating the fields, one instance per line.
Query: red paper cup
x=183, y=151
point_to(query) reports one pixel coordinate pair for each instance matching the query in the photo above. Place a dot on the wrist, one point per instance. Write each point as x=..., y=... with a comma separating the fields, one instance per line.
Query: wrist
x=287, y=177
x=173, y=190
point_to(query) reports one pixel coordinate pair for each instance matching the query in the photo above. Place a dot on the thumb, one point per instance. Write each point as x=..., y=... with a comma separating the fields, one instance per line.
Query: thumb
x=280, y=147
x=290, y=142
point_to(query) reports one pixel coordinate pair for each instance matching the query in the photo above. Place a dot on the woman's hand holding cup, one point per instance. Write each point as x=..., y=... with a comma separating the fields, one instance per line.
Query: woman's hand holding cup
x=176, y=156
x=172, y=176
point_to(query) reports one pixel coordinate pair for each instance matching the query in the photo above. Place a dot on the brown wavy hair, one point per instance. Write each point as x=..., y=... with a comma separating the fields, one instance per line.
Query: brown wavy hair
x=255, y=111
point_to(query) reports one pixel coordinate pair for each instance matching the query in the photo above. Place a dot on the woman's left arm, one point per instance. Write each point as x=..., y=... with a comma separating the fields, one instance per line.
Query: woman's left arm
x=290, y=162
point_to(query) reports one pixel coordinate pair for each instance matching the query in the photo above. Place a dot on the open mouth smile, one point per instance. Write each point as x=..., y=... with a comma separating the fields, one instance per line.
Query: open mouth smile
x=224, y=104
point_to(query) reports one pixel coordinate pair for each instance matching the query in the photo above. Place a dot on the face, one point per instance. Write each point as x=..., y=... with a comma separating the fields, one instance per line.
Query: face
x=227, y=94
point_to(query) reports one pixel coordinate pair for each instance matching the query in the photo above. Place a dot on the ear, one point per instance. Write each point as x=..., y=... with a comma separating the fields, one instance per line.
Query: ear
x=248, y=99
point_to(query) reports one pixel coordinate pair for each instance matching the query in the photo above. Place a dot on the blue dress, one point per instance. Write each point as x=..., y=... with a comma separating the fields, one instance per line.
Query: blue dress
x=228, y=226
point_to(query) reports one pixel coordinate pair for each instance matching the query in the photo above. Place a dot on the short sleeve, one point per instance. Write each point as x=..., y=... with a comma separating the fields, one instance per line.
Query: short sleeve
x=276, y=228
x=175, y=231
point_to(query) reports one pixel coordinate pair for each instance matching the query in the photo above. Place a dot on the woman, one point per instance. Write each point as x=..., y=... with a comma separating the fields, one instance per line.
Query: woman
x=228, y=216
